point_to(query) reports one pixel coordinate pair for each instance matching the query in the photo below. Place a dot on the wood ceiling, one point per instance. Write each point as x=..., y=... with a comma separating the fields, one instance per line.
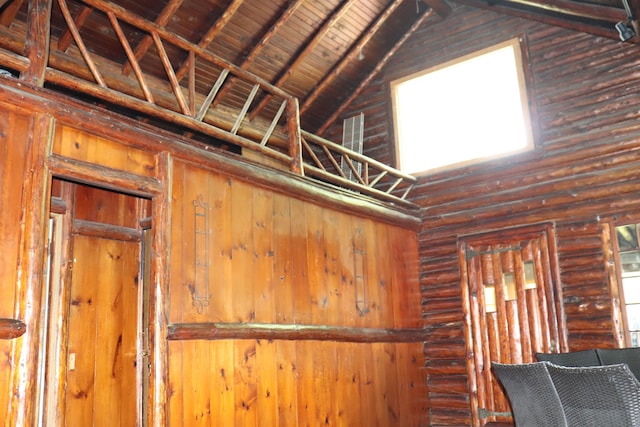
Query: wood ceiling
x=321, y=52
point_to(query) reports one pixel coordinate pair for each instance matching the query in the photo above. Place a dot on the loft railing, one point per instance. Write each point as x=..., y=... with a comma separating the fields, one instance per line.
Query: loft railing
x=169, y=83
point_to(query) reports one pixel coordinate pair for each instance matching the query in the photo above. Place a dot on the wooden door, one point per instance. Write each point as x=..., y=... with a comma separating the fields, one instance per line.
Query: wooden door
x=102, y=321
x=511, y=306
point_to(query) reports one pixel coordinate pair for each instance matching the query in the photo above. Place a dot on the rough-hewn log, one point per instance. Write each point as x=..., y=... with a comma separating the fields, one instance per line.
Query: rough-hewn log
x=114, y=232
x=218, y=331
x=11, y=328
x=37, y=43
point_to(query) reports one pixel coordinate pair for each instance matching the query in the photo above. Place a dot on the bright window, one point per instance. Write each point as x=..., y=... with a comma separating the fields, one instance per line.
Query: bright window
x=628, y=237
x=468, y=110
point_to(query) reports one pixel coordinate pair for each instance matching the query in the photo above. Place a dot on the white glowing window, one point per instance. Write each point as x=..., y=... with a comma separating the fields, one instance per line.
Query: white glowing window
x=472, y=109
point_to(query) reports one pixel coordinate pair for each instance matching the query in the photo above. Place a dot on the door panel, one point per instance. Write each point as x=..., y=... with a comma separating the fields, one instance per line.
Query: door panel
x=103, y=325
x=511, y=297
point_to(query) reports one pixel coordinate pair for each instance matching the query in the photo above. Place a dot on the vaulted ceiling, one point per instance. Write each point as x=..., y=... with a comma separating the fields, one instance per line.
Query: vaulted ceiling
x=321, y=52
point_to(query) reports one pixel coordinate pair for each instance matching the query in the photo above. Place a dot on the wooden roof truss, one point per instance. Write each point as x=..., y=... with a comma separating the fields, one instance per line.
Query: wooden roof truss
x=162, y=77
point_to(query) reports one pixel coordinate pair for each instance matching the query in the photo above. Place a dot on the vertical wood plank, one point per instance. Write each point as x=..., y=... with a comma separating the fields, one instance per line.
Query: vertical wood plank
x=267, y=384
x=283, y=246
x=82, y=340
x=176, y=396
x=13, y=130
x=37, y=41
x=287, y=378
x=243, y=302
x=221, y=250
x=300, y=253
x=245, y=383
x=223, y=388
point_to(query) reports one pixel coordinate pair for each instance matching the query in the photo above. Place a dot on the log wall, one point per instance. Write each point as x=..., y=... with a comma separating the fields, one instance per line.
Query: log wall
x=273, y=301
x=584, y=172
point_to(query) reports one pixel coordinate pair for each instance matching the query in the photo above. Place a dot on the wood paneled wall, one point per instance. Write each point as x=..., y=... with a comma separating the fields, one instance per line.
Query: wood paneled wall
x=277, y=262
x=320, y=291
x=585, y=171
x=14, y=127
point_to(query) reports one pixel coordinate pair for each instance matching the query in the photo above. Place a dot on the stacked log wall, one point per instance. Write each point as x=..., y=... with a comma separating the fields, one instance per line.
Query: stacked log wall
x=585, y=170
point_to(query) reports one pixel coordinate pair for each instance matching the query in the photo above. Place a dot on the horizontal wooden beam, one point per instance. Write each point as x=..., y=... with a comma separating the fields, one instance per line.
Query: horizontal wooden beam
x=11, y=328
x=220, y=331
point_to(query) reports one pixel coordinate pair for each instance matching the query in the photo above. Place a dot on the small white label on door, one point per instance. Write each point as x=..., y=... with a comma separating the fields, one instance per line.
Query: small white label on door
x=72, y=362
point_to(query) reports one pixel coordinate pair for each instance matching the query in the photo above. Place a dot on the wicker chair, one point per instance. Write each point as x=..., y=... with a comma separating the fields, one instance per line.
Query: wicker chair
x=613, y=356
x=597, y=396
x=573, y=358
x=534, y=400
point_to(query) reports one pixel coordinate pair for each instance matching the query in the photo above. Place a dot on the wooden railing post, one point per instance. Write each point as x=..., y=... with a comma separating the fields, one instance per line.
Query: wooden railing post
x=295, y=135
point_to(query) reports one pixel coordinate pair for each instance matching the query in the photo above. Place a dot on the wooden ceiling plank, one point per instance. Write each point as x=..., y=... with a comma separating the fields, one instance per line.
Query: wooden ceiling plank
x=213, y=31
x=10, y=12
x=308, y=48
x=365, y=83
x=350, y=55
x=37, y=41
x=255, y=51
x=131, y=55
x=79, y=18
x=169, y=10
x=80, y=43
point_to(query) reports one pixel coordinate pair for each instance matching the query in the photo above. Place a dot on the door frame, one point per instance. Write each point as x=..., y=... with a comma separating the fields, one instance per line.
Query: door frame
x=157, y=191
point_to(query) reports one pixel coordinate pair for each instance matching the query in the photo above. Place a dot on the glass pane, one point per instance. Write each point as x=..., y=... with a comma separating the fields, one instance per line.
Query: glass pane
x=509, y=281
x=630, y=261
x=529, y=275
x=489, y=299
x=631, y=286
x=634, y=339
x=627, y=237
x=633, y=316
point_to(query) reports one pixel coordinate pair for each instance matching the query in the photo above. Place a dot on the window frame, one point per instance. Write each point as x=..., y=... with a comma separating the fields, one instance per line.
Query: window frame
x=526, y=97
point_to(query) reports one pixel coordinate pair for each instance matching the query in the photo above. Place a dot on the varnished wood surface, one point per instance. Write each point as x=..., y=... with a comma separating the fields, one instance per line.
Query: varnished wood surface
x=11, y=328
x=220, y=331
x=280, y=252
x=583, y=172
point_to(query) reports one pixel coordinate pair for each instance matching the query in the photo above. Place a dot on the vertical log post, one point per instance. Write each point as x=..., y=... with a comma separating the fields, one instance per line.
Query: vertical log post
x=295, y=137
x=37, y=42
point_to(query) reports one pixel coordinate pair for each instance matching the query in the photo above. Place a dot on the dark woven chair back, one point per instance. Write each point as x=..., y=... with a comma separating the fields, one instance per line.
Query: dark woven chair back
x=598, y=396
x=533, y=398
x=573, y=358
x=613, y=356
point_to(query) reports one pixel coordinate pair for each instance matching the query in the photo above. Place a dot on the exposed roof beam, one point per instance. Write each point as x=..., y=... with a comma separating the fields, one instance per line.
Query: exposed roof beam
x=10, y=12
x=146, y=42
x=512, y=9
x=308, y=47
x=349, y=56
x=577, y=9
x=363, y=85
x=37, y=41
